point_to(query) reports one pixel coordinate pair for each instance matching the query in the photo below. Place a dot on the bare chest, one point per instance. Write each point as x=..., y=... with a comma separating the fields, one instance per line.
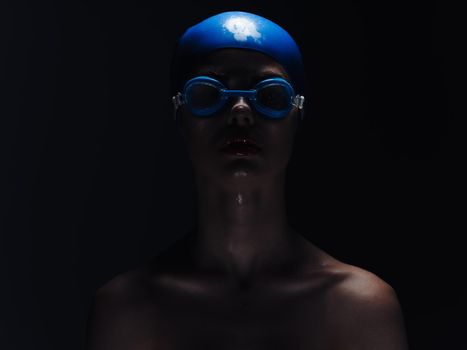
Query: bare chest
x=239, y=323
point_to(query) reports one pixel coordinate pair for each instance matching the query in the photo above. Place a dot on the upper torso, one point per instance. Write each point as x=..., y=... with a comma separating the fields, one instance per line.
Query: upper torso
x=172, y=308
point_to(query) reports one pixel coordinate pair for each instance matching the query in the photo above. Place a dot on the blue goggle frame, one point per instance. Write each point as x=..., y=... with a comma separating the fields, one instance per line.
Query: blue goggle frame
x=185, y=97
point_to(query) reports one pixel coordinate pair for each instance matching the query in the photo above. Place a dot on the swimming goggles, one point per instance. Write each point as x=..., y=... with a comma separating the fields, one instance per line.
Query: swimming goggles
x=204, y=96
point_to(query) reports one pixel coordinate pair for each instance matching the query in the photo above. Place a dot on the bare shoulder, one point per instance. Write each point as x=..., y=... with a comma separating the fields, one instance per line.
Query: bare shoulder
x=350, y=283
x=361, y=286
x=125, y=293
x=120, y=314
x=365, y=310
x=126, y=285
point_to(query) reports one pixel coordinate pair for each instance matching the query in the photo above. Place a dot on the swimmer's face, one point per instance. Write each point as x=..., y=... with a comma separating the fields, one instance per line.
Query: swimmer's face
x=238, y=69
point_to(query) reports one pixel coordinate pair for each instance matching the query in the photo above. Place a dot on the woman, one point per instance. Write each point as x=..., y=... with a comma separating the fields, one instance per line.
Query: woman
x=243, y=279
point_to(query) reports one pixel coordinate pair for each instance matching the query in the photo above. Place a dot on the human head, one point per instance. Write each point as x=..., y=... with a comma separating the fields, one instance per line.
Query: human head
x=238, y=46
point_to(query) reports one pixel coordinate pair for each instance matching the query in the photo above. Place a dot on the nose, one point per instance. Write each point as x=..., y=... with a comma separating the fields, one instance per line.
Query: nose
x=241, y=112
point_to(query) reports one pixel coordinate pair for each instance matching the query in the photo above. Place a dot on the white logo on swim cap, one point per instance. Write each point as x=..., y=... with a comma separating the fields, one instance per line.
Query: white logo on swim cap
x=242, y=28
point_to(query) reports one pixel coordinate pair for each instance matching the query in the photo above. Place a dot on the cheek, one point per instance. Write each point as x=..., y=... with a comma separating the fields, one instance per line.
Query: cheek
x=199, y=137
x=282, y=134
x=280, y=144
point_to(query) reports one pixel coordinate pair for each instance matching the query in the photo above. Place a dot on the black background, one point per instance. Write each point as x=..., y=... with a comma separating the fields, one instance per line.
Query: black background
x=94, y=178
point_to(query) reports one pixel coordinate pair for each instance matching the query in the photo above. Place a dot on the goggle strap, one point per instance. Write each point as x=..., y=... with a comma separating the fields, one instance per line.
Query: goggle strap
x=178, y=100
x=298, y=101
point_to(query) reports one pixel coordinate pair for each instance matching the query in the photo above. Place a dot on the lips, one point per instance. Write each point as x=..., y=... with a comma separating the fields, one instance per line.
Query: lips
x=240, y=145
x=241, y=141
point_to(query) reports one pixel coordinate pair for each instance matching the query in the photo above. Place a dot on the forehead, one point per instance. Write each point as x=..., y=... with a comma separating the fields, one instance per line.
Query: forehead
x=240, y=62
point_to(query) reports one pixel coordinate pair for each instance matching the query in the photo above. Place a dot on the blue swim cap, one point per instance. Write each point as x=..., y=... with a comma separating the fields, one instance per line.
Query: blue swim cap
x=236, y=29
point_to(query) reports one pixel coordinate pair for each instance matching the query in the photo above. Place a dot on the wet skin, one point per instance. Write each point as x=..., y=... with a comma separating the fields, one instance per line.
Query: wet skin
x=243, y=278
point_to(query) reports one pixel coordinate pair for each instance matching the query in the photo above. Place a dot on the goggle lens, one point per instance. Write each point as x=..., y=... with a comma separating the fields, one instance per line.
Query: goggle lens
x=204, y=95
x=274, y=97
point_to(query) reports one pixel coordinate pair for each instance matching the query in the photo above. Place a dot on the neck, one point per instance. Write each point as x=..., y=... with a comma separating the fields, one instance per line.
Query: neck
x=242, y=229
